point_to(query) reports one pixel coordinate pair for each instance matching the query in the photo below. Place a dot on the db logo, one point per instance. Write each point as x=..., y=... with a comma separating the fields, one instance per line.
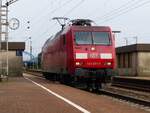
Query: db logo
x=93, y=55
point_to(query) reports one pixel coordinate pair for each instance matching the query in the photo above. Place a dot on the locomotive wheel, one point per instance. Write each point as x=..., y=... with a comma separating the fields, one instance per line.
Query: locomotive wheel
x=98, y=85
x=61, y=79
x=93, y=85
x=65, y=79
x=45, y=75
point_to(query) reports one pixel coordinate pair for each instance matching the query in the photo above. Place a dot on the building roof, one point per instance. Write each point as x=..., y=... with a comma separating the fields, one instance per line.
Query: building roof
x=133, y=48
x=13, y=46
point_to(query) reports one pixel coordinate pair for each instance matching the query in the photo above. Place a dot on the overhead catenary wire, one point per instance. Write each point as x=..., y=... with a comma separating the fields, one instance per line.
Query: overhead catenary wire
x=39, y=18
x=53, y=11
x=126, y=11
x=126, y=6
x=45, y=32
x=34, y=23
x=73, y=8
x=58, y=8
x=77, y=5
x=120, y=8
x=42, y=11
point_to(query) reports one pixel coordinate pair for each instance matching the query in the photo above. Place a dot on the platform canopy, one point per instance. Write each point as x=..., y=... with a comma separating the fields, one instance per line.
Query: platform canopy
x=13, y=46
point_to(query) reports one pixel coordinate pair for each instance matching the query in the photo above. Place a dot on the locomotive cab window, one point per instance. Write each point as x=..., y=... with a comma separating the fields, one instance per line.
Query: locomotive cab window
x=83, y=38
x=100, y=38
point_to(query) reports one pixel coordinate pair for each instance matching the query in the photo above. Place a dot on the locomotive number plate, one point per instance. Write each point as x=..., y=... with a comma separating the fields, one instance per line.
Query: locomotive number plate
x=93, y=55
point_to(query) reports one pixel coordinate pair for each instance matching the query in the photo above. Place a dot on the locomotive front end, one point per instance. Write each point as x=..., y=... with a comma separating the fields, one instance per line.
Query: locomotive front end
x=94, y=52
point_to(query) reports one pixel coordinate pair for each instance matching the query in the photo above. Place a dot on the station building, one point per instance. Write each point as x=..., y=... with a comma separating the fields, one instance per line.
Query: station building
x=15, y=59
x=133, y=60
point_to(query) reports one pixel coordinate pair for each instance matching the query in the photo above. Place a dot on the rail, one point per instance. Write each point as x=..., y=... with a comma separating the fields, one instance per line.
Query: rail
x=124, y=97
x=132, y=83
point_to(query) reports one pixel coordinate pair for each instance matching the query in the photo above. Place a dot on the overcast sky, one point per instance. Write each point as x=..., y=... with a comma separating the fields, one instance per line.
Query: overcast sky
x=131, y=17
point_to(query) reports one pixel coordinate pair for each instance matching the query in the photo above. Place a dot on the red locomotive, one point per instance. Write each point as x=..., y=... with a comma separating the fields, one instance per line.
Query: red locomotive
x=80, y=51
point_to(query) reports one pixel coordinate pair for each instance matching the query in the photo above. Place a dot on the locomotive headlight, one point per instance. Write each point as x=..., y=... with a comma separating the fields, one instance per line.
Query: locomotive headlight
x=93, y=48
x=108, y=63
x=77, y=63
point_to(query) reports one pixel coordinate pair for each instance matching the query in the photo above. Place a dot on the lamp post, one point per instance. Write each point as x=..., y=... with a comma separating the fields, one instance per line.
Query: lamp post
x=0, y=41
x=6, y=23
x=30, y=49
x=136, y=39
x=126, y=39
x=30, y=44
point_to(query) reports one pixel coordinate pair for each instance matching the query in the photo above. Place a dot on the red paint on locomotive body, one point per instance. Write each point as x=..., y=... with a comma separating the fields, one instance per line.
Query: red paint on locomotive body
x=67, y=52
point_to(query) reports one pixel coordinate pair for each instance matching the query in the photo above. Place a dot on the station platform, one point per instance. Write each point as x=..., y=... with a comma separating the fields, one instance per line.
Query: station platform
x=34, y=94
x=19, y=95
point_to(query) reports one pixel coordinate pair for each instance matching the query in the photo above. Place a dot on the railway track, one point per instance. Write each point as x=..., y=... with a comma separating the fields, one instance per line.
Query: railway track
x=132, y=99
x=132, y=83
x=125, y=97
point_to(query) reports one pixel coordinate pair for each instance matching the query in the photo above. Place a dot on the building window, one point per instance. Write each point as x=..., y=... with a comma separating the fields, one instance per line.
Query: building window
x=119, y=60
x=129, y=60
x=124, y=60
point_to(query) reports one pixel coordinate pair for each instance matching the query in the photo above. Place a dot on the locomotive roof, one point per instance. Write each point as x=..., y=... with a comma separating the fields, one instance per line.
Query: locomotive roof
x=82, y=22
x=13, y=45
x=106, y=28
x=83, y=28
x=76, y=27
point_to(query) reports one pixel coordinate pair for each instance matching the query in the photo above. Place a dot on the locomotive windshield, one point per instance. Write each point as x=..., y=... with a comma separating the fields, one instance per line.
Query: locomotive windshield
x=101, y=38
x=83, y=38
